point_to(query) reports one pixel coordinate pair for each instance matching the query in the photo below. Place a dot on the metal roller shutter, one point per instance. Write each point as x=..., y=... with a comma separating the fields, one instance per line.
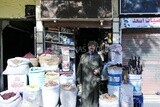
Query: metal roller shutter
x=146, y=44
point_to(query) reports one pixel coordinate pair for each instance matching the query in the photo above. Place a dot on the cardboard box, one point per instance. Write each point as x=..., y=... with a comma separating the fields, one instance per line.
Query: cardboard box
x=17, y=82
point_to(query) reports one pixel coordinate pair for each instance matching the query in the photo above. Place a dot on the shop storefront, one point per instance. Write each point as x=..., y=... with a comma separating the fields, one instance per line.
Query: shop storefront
x=140, y=37
x=63, y=29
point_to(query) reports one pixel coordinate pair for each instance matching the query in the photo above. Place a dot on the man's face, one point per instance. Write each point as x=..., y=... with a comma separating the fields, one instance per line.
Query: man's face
x=91, y=48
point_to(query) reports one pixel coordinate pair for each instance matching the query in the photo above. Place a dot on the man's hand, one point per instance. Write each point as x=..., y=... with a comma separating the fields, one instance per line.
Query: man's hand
x=79, y=86
x=96, y=72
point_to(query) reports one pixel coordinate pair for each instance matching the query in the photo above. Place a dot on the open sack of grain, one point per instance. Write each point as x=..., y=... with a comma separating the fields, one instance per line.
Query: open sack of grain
x=52, y=76
x=50, y=94
x=17, y=65
x=32, y=96
x=10, y=98
x=32, y=58
x=49, y=61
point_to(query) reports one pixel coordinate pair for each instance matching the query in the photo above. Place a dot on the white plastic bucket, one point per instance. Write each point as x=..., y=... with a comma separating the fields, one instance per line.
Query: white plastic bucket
x=114, y=75
x=136, y=82
x=50, y=96
x=36, y=76
x=115, y=90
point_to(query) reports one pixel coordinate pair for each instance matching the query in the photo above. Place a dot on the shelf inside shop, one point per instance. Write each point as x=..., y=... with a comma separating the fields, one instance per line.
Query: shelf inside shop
x=67, y=33
x=65, y=72
x=59, y=43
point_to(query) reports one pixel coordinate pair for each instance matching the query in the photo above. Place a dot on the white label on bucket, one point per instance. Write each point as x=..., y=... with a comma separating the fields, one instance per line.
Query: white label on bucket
x=136, y=86
x=114, y=77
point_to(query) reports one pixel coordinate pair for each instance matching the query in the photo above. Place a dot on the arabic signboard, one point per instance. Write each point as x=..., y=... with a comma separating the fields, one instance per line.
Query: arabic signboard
x=139, y=7
x=76, y=9
x=140, y=23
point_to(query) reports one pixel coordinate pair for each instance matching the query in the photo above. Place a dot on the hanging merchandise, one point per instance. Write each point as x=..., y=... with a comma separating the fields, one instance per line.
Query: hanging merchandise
x=108, y=37
x=115, y=53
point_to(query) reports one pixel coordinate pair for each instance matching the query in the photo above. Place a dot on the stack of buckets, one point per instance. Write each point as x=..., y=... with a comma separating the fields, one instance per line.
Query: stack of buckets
x=114, y=81
x=136, y=81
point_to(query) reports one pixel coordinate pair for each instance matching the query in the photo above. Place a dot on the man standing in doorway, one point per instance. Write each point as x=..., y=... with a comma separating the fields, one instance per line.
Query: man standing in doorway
x=88, y=75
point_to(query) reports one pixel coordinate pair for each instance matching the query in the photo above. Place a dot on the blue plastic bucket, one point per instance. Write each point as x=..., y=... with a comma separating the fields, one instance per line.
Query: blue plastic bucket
x=138, y=100
x=114, y=79
x=115, y=76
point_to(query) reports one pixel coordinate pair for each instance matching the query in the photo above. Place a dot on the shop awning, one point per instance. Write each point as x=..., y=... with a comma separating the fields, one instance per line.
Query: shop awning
x=78, y=23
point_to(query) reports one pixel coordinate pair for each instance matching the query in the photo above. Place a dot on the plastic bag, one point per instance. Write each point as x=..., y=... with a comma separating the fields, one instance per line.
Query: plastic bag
x=50, y=96
x=32, y=97
x=68, y=95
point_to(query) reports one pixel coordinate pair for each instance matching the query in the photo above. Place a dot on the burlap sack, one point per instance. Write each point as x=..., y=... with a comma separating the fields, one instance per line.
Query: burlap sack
x=49, y=61
x=33, y=59
x=34, y=62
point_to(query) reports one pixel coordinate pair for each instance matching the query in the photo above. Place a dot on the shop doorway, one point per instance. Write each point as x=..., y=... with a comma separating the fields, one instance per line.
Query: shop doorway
x=84, y=35
x=18, y=40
